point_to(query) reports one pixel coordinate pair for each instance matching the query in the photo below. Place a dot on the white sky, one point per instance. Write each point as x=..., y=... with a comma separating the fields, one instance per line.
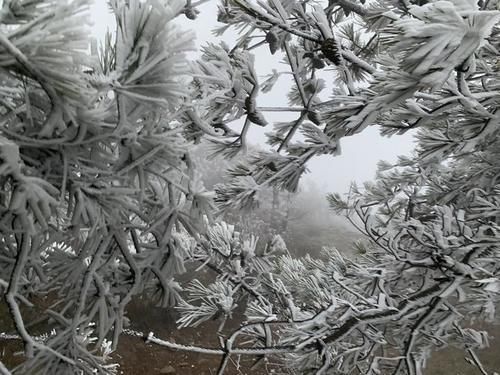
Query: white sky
x=360, y=153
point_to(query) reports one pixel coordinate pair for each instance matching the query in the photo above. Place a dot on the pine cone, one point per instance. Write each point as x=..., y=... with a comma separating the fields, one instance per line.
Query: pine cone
x=330, y=50
x=257, y=118
x=273, y=40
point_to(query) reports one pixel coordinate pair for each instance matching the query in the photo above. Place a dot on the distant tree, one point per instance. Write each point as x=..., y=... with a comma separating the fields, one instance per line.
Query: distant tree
x=271, y=215
x=311, y=225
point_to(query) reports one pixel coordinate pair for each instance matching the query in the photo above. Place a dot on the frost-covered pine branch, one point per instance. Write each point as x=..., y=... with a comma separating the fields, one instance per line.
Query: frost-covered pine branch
x=431, y=252
x=95, y=173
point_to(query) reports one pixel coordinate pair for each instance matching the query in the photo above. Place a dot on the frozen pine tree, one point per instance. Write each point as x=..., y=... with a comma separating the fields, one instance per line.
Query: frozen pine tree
x=430, y=263
x=100, y=200
x=95, y=176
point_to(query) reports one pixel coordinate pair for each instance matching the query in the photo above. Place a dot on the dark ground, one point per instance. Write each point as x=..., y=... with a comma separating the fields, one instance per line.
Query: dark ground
x=133, y=354
x=138, y=358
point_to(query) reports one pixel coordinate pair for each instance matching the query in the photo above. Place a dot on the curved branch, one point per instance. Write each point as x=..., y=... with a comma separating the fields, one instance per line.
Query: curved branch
x=56, y=111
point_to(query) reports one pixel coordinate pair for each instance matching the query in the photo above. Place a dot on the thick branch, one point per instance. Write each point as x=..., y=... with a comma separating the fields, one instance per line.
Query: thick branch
x=238, y=351
x=4, y=370
x=56, y=111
